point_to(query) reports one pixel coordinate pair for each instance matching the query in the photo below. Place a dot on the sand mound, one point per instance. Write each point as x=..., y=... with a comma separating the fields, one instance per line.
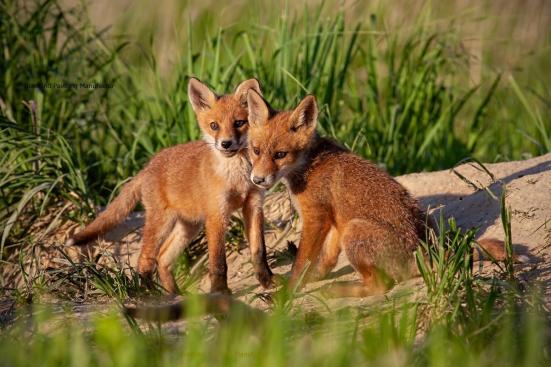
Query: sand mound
x=470, y=193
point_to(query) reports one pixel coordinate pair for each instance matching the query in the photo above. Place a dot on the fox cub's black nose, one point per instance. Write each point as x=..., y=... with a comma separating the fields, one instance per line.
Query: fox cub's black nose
x=226, y=144
x=258, y=180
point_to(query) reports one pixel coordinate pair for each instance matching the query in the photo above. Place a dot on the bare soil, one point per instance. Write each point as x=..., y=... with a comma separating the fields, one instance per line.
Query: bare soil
x=468, y=193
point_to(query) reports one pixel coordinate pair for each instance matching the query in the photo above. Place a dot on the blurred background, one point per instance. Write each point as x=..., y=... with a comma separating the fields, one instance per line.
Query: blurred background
x=412, y=85
x=503, y=35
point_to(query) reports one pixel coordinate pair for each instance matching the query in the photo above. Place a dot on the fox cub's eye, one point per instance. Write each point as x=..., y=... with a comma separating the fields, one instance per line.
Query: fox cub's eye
x=256, y=151
x=214, y=125
x=280, y=155
x=239, y=123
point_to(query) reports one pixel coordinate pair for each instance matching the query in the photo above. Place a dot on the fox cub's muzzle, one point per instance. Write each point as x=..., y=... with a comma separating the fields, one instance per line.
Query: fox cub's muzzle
x=228, y=147
x=263, y=181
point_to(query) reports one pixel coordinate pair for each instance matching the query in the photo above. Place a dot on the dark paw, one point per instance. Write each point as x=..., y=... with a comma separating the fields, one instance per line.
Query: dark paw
x=292, y=248
x=265, y=277
x=147, y=279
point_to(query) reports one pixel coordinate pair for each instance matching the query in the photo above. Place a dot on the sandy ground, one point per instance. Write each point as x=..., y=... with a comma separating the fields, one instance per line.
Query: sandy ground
x=468, y=193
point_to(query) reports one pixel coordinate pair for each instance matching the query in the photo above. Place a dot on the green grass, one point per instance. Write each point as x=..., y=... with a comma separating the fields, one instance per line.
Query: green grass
x=400, y=98
x=279, y=340
x=401, y=95
x=462, y=320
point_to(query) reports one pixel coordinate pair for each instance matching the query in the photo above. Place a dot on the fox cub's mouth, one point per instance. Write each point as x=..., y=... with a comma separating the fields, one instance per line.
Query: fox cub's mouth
x=228, y=153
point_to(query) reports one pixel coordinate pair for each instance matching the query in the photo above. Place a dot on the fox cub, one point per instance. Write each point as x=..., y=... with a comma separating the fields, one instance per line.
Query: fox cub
x=188, y=185
x=345, y=202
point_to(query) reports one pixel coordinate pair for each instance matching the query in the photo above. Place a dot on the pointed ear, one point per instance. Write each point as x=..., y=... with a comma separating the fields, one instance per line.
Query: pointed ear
x=200, y=96
x=243, y=88
x=305, y=116
x=258, y=109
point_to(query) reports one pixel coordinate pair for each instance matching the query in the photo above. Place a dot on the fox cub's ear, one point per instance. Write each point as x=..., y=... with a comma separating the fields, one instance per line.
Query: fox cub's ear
x=258, y=109
x=200, y=96
x=243, y=88
x=305, y=116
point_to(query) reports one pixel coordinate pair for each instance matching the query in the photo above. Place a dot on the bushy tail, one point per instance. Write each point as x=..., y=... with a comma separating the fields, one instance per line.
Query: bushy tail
x=490, y=248
x=496, y=251
x=115, y=213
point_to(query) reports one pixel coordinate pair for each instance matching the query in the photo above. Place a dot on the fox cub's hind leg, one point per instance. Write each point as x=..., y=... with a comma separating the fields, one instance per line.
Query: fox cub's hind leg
x=158, y=224
x=181, y=236
x=377, y=254
x=329, y=254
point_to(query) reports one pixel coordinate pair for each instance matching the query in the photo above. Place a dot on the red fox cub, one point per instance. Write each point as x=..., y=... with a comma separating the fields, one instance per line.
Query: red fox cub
x=345, y=202
x=188, y=185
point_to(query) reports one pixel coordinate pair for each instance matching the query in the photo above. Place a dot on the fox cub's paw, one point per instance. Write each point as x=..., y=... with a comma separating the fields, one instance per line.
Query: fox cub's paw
x=265, y=277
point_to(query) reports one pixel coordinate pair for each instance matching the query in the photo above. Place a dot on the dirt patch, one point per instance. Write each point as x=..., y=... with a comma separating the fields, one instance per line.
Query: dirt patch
x=469, y=193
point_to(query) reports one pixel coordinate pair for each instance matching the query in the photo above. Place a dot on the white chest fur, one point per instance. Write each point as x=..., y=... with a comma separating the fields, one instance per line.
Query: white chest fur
x=235, y=171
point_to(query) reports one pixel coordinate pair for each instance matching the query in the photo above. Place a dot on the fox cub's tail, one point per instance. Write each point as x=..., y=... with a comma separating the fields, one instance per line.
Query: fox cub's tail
x=496, y=250
x=115, y=213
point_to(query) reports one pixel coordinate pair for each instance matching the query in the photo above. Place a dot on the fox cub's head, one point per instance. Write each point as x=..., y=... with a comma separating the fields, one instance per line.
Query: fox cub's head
x=223, y=119
x=278, y=141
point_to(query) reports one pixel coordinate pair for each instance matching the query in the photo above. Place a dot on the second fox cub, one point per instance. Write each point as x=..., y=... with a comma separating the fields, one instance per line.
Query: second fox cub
x=188, y=185
x=346, y=203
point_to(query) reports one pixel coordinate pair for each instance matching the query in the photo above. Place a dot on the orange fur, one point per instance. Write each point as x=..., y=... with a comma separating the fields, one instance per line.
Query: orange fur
x=494, y=249
x=346, y=203
x=188, y=185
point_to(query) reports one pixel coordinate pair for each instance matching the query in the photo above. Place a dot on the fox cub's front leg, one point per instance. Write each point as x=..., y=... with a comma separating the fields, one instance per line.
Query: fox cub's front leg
x=215, y=228
x=254, y=228
x=314, y=233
